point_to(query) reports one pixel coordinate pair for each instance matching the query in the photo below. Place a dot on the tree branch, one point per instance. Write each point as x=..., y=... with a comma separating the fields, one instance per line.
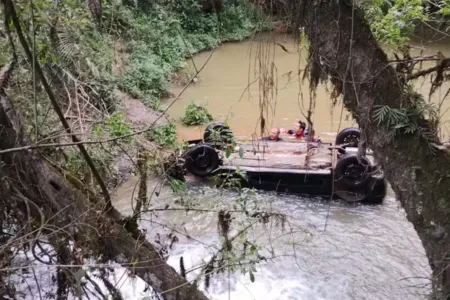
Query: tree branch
x=444, y=64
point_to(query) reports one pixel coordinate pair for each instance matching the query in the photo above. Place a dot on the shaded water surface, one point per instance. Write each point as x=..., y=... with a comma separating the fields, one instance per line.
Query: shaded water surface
x=365, y=252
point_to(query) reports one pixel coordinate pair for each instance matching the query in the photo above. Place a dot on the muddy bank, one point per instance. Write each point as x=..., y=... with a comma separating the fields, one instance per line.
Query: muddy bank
x=138, y=115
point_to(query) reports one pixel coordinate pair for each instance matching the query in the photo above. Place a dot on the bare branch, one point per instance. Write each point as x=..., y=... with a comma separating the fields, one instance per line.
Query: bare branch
x=444, y=64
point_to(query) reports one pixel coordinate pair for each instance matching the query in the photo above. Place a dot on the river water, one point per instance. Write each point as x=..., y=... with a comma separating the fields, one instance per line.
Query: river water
x=230, y=88
x=327, y=250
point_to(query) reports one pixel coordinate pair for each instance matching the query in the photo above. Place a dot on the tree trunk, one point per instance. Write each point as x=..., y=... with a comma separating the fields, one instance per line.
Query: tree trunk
x=343, y=50
x=30, y=188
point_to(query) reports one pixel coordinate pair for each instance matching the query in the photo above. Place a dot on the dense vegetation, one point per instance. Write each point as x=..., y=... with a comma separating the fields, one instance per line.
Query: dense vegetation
x=97, y=53
x=97, y=57
x=94, y=51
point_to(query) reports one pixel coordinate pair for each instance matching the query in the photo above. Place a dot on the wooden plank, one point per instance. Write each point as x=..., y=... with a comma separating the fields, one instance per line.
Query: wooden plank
x=279, y=147
x=277, y=170
x=318, y=159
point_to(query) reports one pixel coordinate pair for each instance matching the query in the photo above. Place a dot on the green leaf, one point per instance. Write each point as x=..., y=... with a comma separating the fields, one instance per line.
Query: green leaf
x=228, y=152
x=445, y=11
x=252, y=277
x=241, y=152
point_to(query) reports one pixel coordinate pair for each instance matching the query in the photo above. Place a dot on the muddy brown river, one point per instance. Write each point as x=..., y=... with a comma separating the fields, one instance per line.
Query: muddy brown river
x=229, y=87
x=327, y=250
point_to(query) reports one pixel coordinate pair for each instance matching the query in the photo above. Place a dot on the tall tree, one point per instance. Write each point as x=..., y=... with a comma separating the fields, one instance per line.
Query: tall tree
x=344, y=51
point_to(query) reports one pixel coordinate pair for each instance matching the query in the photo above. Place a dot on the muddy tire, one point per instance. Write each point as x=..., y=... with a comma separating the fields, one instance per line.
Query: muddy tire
x=348, y=137
x=201, y=160
x=350, y=174
x=218, y=133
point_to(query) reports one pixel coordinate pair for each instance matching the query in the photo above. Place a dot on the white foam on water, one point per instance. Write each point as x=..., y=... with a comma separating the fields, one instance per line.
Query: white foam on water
x=273, y=280
x=33, y=279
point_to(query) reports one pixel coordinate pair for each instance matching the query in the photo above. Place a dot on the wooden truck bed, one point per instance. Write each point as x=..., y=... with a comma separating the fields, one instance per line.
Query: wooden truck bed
x=283, y=157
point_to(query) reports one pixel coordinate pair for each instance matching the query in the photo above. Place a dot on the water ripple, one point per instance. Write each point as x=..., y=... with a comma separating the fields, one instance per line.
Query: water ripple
x=366, y=252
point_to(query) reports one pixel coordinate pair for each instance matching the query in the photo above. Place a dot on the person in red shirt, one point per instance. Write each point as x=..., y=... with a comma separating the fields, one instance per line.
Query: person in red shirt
x=299, y=131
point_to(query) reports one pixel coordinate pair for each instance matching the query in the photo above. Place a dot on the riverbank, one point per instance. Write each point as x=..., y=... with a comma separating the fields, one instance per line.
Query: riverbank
x=158, y=43
x=109, y=79
x=148, y=60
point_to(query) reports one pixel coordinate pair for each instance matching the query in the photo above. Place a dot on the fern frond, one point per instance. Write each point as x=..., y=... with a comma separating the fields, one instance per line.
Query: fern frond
x=380, y=112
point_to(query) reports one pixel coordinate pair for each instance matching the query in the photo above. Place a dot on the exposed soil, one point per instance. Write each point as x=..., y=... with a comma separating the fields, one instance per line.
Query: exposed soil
x=137, y=113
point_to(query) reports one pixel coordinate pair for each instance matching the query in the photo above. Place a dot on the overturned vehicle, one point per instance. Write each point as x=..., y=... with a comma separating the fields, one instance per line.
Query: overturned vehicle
x=295, y=167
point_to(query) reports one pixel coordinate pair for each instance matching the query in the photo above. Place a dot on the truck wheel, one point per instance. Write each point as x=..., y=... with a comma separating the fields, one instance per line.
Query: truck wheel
x=377, y=191
x=201, y=160
x=350, y=173
x=348, y=137
x=218, y=133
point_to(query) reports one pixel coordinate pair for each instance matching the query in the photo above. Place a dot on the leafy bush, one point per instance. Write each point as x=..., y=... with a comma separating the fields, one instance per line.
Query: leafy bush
x=195, y=114
x=162, y=39
x=164, y=135
x=392, y=22
x=115, y=126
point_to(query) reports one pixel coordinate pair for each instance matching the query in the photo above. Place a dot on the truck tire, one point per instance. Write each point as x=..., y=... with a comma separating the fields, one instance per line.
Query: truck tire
x=201, y=160
x=225, y=135
x=348, y=137
x=350, y=174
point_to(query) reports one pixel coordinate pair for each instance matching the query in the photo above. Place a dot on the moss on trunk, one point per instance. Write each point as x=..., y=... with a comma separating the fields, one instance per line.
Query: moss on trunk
x=344, y=51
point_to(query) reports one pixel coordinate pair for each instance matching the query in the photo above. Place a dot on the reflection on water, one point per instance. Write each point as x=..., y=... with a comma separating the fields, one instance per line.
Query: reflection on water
x=366, y=252
x=235, y=66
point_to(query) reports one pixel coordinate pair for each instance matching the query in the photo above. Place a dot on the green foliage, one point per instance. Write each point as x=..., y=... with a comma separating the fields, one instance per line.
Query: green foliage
x=78, y=167
x=195, y=114
x=392, y=21
x=409, y=120
x=75, y=58
x=117, y=125
x=177, y=186
x=163, y=38
x=164, y=135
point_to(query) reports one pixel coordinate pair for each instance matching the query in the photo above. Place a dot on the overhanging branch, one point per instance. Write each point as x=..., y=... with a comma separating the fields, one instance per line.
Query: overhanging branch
x=443, y=65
